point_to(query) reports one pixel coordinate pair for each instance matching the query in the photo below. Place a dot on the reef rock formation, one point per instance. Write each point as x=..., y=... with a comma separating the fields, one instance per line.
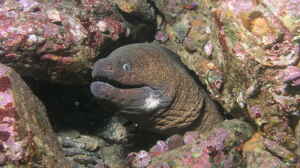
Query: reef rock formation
x=261, y=152
x=26, y=136
x=218, y=148
x=245, y=52
x=59, y=40
x=231, y=144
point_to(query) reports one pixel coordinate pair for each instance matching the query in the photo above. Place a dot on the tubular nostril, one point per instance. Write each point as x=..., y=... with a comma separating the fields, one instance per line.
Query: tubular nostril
x=107, y=68
x=101, y=69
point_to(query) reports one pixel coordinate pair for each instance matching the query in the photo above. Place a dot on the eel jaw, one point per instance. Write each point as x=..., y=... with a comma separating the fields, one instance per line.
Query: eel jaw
x=131, y=99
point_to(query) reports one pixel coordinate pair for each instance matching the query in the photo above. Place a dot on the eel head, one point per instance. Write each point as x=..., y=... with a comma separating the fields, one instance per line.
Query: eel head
x=123, y=79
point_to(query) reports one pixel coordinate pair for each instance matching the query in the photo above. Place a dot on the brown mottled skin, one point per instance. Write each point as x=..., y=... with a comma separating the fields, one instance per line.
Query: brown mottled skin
x=130, y=74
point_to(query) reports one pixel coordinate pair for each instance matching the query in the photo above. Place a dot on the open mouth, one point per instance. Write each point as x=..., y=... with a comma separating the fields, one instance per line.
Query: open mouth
x=116, y=84
x=130, y=99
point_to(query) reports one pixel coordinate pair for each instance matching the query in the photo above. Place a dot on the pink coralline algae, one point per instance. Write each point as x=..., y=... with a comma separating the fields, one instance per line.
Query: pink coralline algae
x=139, y=160
x=5, y=83
x=255, y=112
x=191, y=6
x=278, y=150
x=209, y=152
x=159, y=148
x=216, y=149
x=174, y=141
x=6, y=98
x=291, y=75
x=11, y=149
x=260, y=152
x=284, y=7
x=29, y=5
x=25, y=132
x=238, y=6
x=267, y=30
x=190, y=137
x=48, y=41
x=161, y=37
x=208, y=48
x=287, y=83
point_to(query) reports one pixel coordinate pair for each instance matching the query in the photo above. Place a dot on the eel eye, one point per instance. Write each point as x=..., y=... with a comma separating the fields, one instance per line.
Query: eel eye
x=126, y=67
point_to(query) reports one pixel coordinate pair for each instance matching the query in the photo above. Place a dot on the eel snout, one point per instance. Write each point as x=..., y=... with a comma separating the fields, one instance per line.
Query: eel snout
x=102, y=69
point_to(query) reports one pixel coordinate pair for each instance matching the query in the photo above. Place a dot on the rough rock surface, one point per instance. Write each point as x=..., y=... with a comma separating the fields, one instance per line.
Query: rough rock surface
x=26, y=136
x=260, y=152
x=217, y=148
x=245, y=52
x=228, y=146
x=88, y=151
x=59, y=40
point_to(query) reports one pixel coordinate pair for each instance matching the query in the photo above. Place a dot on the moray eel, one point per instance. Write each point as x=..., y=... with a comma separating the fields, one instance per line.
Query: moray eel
x=153, y=88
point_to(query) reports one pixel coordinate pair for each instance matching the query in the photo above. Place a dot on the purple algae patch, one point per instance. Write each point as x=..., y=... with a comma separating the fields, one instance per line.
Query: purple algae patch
x=4, y=135
x=6, y=98
x=159, y=148
x=139, y=160
x=3, y=69
x=190, y=137
x=174, y=141
x=4, y=83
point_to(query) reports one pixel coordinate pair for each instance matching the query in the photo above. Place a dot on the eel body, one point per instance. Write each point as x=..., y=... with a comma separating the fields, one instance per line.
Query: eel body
x=152, y=87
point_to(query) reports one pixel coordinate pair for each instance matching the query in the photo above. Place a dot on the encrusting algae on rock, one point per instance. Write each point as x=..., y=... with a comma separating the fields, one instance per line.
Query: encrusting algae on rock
x=26, y=136
x=153, y=88
x=219, y=147
x=240, y=49
x=246, y=52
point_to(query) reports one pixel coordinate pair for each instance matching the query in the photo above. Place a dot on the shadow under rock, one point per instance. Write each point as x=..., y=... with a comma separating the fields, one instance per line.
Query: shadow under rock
x=71, y=106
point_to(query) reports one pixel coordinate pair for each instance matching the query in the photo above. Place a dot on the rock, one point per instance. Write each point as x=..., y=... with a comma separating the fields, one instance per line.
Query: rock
x=172, y=8
x=246, y=53
x=68, y=133
x=297, y=135
x=113, y=156
x=87, y=150
x=142, y=9
x=115, y=131
x=264, y=153
x=174, y=141
x=59, y=40
x=217, y=147
x=26, y=136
